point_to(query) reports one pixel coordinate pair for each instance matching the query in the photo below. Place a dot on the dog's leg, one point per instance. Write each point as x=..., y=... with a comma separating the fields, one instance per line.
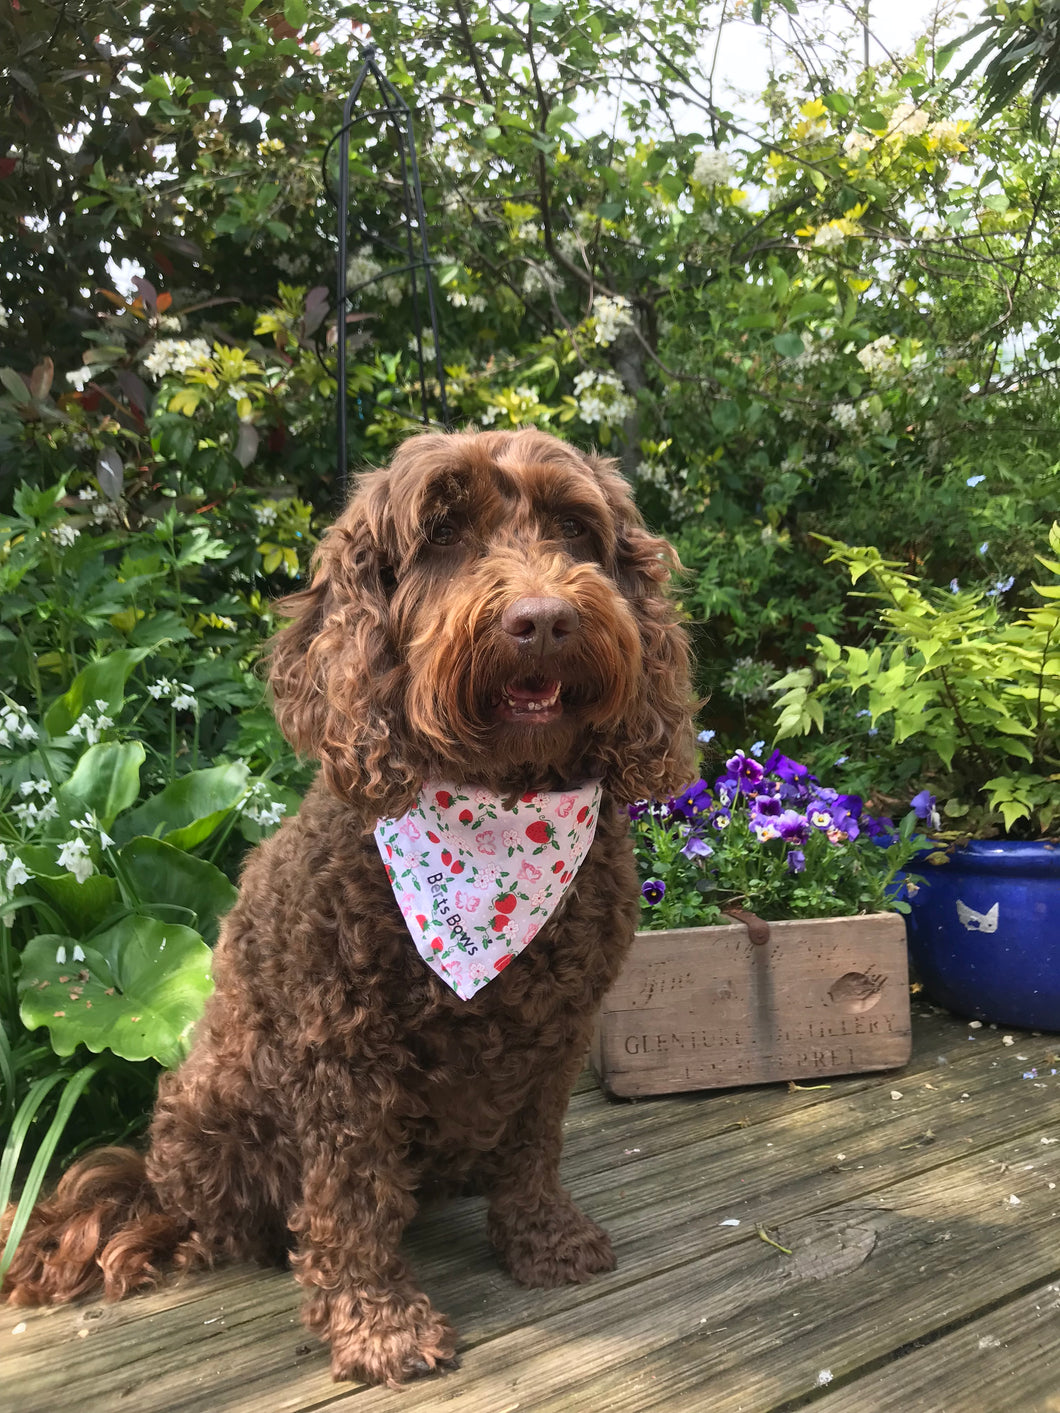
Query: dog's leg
x=360, y=1295
x=539, y=1233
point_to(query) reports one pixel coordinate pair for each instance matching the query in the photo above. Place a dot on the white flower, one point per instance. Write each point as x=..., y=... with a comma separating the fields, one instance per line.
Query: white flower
x=65, y=534
x=908, y=120
x=185, y=699
x=265, y=514
x=35, y=787
x=88, y=494
x=60, y=956
x=540, y=279
x=602, y=398
x=457, y=299
x=164, y=687
x=477, y=302
x=711, y=166
x=845, y=414
x=223, y=621
x=613, y=314
x=78, y=954
x=828, y=237
x=87, y=729
x=527, y=231
x=427, y=344
x=360, y=269
x=79, y=377
x=16, y=873
x=855, y=142
x=877, y=357
x=489, y=415
x=15, y=724
x=176, y=356
x=74, y=857
x=172, y=323
x=5, y=318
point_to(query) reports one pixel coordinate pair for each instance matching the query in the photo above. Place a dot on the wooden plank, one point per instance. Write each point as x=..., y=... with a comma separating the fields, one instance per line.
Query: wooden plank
x=663, y=1205
x=704, y=1008
x=753, y=1328
x=1007, y=1359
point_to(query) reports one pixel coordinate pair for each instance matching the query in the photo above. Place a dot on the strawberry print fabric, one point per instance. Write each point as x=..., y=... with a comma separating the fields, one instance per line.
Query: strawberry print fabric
x=475, y=882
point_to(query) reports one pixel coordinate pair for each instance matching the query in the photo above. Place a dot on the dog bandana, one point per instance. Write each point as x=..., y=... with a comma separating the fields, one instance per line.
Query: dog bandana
x=475, y=882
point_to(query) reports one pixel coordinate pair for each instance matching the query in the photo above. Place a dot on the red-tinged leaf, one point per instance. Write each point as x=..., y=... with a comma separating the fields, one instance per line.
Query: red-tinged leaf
x=7, y=166
x=135, y=390
x=164, y=300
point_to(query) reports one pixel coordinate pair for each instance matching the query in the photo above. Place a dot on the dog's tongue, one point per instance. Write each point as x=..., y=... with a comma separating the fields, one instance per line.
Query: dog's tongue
x=536, y=690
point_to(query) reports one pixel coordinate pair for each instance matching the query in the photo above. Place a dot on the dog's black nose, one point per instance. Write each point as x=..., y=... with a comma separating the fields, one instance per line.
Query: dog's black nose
x=541, y=625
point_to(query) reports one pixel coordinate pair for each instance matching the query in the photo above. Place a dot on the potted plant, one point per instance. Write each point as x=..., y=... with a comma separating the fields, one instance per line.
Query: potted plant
x=973, y=690
x=770, y=948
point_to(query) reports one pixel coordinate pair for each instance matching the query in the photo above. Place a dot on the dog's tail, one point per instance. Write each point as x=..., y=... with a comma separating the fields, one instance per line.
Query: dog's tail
x=103, y=1230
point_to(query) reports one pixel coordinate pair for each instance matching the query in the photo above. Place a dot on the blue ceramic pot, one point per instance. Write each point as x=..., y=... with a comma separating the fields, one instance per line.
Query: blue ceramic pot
x=984, y=932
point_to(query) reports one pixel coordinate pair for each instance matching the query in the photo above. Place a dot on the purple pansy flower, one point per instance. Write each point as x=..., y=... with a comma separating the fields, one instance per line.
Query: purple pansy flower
x=793, y=827
x=744, y=768
x=796, y=861
x=692, y=800
x=653, y=891
x=721, y=818
x=783, y=766
x=696, y=848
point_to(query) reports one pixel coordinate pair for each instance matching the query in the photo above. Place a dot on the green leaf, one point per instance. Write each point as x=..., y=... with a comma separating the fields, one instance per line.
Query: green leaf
x=788, y=345
x=103, y=680
x=15, y=386
x=106, y=779
x=295, y=12
x=138, y=991
x=189, y=809
x=159, y=873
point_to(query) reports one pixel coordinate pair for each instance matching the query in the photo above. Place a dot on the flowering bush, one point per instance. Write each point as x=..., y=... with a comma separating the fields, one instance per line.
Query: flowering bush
x=770, y=839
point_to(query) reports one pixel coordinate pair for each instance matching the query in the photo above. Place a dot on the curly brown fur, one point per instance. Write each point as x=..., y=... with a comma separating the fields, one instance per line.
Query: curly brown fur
x=329, y=1079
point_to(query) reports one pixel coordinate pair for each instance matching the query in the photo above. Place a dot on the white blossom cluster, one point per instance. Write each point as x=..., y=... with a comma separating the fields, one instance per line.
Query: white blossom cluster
x=829, y=236
x=171, y=323
x=909, y=120
x=64, y=534
x=176, y=356
x=291, y=264
x=459, y=300
x=14, y=871
x=602, y=398
x=79, y=378
x=29, y=812
x=91, y=499
x=815, y=352
x=15, y=724
x=179, y=693
x=845, y=415
x=856, y=142
x=879, y=356
x=265, y=514
x=613, y=315
x=90, y=729
x=260, y=808
x=361, y=267
x=711, y=166
x=76, y=855
x=541, y=279
x=426, y=343
x=569, y=246
x=5, y=317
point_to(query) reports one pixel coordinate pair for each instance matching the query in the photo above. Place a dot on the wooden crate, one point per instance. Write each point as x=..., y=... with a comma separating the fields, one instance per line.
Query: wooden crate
x=706, y=1007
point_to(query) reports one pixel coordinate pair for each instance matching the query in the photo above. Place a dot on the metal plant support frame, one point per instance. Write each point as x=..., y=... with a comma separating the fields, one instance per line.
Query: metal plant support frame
x=396, y=111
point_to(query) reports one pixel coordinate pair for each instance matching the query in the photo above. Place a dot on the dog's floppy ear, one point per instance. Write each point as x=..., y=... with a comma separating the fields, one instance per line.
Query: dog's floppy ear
x=657, y=756
x=337, y=681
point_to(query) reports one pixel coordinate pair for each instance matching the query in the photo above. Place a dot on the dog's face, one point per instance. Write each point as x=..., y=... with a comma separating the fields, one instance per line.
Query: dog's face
x=488, y=608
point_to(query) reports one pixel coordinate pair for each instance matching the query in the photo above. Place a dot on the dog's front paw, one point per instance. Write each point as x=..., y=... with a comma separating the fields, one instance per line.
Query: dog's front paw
x=390, y=1340
x=551, y=1245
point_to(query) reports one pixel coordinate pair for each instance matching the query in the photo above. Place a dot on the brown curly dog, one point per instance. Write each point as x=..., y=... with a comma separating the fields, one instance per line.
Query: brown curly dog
x=488, y=609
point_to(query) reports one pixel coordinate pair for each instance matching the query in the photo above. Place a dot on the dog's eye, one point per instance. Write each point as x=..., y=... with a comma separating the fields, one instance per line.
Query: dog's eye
x=571, y=529
x=443, y=532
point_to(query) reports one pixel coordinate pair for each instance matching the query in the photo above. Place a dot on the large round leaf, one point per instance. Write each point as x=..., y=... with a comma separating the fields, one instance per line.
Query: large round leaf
x=159, y=873
x=103, y=680
x=106, y=779
x=188, y=810
x=136, y=989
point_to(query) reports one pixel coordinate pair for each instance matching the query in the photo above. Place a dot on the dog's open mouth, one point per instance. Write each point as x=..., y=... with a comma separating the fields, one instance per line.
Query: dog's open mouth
x=534, y=700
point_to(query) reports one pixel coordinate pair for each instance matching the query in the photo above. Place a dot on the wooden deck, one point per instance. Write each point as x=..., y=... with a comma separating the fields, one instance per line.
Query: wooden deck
x=919, y=1210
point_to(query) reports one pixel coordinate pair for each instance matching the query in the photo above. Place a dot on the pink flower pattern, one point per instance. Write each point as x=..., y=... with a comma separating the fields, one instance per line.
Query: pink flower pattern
x=469, y=919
